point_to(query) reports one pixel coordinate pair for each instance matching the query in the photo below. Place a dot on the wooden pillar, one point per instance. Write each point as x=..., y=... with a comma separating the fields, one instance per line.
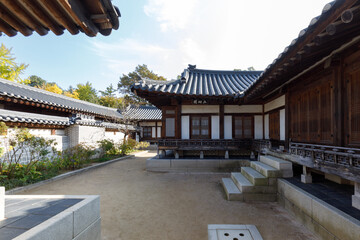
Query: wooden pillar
x=178, y=122
x=221, y=116
x=287, y=120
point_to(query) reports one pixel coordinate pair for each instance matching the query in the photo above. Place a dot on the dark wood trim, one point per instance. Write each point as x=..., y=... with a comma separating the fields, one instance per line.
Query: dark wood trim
x=276, y=109
x=287, y=120
x=221, y=120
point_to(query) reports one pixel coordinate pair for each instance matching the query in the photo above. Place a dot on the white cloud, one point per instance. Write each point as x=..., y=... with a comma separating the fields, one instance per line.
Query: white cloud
x=212, y=34
x=172, y=15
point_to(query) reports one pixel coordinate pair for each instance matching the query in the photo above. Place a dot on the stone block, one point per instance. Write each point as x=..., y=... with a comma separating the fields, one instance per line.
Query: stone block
x=226, y=154
x=59, y=227
x=355, y=201
x=208, y=164
x=300, y=198
x=2, y=203
x=306, y=178
x=85, y=213
x=335, y=221
x=93, y=232
x=254, y=176
x=183, y=164
x=231, y=190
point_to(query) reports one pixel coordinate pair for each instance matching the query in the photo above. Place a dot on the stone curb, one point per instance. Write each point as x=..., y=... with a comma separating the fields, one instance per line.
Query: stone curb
x=65, y=175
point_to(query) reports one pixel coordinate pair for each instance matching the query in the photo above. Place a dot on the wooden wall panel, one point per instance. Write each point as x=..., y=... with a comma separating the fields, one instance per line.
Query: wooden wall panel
x=274, y=125
x=312, y=115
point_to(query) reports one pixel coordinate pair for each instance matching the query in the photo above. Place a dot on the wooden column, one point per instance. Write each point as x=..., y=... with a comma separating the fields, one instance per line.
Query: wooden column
x=178, y=122
x=221, y=117
x=287, y=119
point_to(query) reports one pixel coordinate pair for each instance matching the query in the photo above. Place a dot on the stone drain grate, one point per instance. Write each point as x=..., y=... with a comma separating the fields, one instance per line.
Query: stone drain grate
x=233, y=232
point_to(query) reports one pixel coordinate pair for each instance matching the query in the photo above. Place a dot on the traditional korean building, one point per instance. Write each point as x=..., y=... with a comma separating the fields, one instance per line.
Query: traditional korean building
x=148, y=120
x=302, y=109
x=69, y=121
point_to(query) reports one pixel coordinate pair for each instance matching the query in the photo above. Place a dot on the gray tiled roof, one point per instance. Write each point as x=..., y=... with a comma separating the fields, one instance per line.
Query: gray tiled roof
x=200, y=82
x=24, y=117
x=143, y=113
x=32, y=94
x=105, y=124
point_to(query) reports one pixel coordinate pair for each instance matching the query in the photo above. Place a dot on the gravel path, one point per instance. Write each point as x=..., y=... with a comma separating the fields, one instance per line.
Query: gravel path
x=136, y=204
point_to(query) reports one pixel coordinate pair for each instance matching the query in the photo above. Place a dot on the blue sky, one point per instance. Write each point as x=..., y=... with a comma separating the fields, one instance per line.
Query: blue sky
x=167, y=35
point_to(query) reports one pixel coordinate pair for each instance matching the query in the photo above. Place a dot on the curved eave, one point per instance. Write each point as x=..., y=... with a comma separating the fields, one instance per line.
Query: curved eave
x=42, y=16
x=298, y=51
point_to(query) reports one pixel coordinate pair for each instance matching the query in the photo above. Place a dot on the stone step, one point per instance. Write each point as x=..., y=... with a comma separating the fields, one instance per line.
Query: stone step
x=254, y=176
x=231, y=190
x=284, y=166
x=245, y=186
x=265, y=169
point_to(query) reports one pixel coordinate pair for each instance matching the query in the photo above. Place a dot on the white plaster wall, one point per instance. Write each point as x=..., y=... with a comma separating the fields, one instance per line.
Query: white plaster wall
x=90, y=135
x=228, y=127
x=276, y=103
x=258, y=127
x=116, y=137
x=185, y=109
x=266, y=126
x=215, y=127
x=159, y=132
x=153, y=132
x=243, y=109
x=185, y=127
x=282, y=124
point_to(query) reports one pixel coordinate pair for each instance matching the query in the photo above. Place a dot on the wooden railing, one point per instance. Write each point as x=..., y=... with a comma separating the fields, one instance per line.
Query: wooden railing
x=204, y=144
x=328, y=155
x=260, y=145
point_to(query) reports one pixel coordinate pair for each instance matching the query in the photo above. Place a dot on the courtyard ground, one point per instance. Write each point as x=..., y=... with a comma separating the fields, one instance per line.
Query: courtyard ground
x=136, y=204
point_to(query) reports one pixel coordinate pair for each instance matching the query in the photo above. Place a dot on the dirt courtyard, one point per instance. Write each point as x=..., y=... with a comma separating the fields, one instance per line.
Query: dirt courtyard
x=136, y=204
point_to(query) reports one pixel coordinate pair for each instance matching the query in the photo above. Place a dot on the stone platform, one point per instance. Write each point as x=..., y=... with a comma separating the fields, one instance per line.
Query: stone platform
x=51, y=217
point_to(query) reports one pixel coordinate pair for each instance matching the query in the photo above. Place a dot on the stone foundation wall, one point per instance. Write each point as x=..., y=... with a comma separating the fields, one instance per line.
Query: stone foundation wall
x=318, y=216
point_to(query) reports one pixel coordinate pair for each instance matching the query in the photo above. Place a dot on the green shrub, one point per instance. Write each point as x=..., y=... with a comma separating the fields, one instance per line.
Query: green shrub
x=109, y=148
x=75, y=157
x=142, y=145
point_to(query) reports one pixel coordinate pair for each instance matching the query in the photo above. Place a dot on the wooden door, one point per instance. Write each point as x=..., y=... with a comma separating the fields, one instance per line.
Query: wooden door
x=274, y=125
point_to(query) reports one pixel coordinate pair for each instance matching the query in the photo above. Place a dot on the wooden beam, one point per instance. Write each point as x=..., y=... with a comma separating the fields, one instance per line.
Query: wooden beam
x=38, y=12
x=7, y=29
x=13, y=21
x=60, y=15
x=77, y=12
x=24, y=16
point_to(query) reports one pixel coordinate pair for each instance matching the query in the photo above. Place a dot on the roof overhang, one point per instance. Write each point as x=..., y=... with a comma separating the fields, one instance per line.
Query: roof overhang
x=42, y=16
x=337, y=27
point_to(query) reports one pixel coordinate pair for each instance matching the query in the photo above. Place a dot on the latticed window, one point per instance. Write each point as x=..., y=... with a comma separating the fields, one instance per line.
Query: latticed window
x=147, y=132
x=200, y=127
x=243, y=127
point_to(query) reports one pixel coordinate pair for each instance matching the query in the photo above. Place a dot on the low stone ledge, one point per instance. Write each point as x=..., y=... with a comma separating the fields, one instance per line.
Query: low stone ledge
x=320, y=217
x=80, y=221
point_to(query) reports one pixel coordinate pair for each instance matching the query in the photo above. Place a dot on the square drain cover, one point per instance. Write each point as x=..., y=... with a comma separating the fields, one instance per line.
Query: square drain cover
x=233, y=232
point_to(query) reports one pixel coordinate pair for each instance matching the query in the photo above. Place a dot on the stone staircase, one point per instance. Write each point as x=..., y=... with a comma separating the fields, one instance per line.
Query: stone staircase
x=257, y=182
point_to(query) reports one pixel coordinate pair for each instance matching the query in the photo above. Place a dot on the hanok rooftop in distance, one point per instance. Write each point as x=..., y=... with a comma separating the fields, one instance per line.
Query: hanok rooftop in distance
x=148, y=122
